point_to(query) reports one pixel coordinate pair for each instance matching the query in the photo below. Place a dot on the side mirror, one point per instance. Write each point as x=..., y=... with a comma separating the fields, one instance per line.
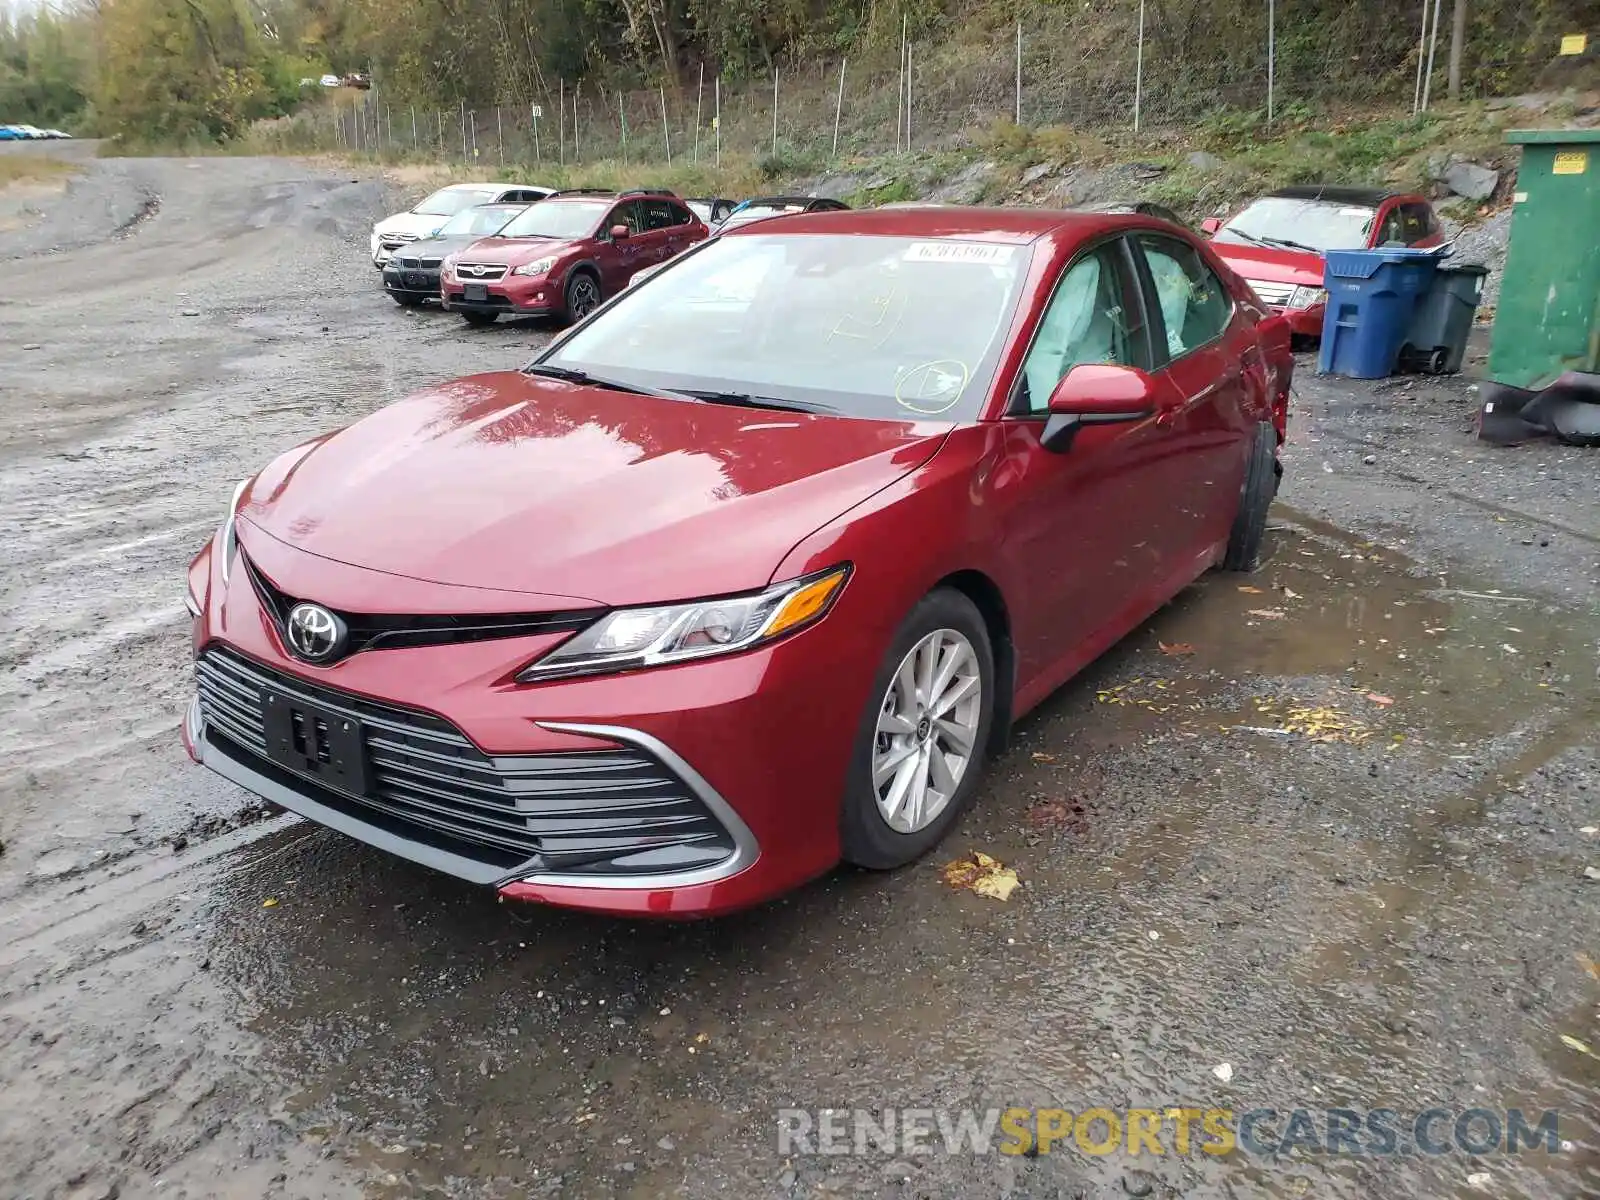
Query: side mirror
x=1210, y=225
x=1096, y=394
x=620, y=233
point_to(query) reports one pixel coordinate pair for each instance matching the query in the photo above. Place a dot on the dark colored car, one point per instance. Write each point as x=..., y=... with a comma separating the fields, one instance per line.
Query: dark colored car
x=412, y=273
x=567, y=253
x=749, y=572
x=1277, y=243
x=773, y=206
x=713, y=210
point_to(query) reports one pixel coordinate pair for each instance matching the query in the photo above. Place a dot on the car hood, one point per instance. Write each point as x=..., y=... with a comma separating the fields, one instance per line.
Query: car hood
x=418, y=224
x=1299, y=267
x=521, y=484
x=438, y=247
x=515, y=251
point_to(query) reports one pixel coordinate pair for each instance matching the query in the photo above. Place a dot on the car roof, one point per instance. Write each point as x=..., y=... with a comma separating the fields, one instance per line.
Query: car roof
x=1012, y=225
x=1337, y=194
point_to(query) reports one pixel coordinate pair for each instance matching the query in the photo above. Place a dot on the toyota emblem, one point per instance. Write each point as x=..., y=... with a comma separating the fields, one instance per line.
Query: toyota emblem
x=315, y=634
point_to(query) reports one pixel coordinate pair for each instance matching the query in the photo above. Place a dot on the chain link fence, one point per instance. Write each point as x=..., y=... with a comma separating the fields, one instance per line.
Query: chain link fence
x=1062, y=66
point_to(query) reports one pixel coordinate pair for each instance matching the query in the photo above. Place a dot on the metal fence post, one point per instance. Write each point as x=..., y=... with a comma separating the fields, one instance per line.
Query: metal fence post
x=577, y=90
x=699, y=101
x=665, y=136
x=622, y=113
x=900, y=89
x=908, y=97
x=414, y=143
x=1433, y=43
x=838, y=106
x=1272, y=57
x=1019, y=59
x=499, y=135
x=716, y=120
x=388, y=120
x=774, y=112
x=561, y=123
x=463, y=131
x=533, y=115
x=1138, y=74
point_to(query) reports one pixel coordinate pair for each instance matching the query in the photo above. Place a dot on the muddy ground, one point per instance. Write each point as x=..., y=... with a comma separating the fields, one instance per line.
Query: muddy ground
x=1233, y=853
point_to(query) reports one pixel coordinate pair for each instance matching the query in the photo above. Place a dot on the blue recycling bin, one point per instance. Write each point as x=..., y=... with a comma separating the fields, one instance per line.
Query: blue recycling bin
x=1372, y=295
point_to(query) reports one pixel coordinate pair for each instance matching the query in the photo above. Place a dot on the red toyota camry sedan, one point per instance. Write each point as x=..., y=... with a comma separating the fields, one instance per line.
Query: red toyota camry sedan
x=748, y=572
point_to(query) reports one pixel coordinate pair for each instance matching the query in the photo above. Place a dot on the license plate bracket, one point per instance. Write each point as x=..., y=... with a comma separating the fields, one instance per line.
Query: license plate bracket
x=315, y=742
x=475, y=291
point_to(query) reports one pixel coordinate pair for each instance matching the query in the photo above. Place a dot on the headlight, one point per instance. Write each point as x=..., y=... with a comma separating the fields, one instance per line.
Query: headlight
x=449, y=266
x=630, y=638
x=537, y=267
x=230, y=537
x=1307, y=297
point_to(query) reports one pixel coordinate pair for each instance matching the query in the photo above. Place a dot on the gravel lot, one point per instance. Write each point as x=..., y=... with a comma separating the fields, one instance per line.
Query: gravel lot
x=1391, y=909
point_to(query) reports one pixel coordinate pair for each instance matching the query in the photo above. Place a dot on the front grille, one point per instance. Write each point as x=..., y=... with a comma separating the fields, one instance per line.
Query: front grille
x=393, y=241
x=1275, y=294
x=494, y=303
x=412, y=263
x=480, y=272
x=388, y=631
x=601, y=813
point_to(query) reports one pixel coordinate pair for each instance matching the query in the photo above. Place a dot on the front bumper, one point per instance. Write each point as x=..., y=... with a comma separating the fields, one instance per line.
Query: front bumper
x=413, y=282
x=738, y=748
x=512, y=294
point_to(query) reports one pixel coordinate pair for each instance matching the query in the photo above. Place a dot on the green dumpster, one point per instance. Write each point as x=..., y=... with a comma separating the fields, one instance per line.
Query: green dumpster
x=1548, y=320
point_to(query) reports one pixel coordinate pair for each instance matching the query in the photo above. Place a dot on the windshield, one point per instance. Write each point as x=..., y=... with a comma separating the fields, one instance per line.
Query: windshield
x=562, y=219
x=479, y=221
x=884, y=327
x=1319, y=224
x=446, y=202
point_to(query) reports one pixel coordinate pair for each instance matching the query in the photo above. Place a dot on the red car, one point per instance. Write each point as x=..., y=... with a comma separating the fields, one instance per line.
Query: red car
x=1278, y=241
x=749, y=572
x=566, y=254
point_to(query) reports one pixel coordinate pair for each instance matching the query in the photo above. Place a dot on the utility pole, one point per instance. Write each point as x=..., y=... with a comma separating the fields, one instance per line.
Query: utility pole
x=1458, y=38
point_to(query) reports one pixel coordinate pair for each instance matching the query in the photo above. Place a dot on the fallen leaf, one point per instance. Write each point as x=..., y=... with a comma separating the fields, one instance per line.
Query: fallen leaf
x=1044, y=757
x=983, y=875
x=1176, y=648
x=270, y=902
x=1267, y=614
x=1248, y=590
x=1581, y=1047
x=1378, y=699
x=1055, y=814
x=702, y=1038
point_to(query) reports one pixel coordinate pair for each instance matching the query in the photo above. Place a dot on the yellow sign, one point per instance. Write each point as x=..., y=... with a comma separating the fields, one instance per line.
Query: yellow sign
x=1571, y=162
x=1574, y=43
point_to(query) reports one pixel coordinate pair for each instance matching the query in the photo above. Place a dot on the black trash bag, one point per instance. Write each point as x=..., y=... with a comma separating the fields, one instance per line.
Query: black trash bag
x=1568, y=410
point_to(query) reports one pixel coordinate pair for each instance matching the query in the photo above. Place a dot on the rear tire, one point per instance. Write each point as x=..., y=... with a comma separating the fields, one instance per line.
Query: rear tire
x=1255, y=497
x=479, y=318
x=906, y=746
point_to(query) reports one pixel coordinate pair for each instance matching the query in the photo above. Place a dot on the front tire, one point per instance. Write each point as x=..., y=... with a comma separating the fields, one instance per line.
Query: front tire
x=920, y=746
x=1255, y=497
x=582, y=296
x=480, y=319
x=407, y=299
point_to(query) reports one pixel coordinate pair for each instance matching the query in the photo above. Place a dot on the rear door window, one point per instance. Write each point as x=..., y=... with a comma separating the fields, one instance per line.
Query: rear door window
x=662, y=214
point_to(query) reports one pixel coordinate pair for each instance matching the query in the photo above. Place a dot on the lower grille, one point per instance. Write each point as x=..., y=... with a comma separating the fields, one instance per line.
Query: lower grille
x=592, y=814
x=1275, y=294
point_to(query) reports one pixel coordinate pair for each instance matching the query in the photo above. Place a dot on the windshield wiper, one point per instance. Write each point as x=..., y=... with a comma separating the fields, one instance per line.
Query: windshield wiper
x=573, y=375
x=746, y=400
x=1288, y=244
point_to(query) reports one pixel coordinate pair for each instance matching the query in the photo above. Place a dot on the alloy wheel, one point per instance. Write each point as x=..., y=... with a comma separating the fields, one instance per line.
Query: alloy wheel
x=585, y=297
x=927, y=730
